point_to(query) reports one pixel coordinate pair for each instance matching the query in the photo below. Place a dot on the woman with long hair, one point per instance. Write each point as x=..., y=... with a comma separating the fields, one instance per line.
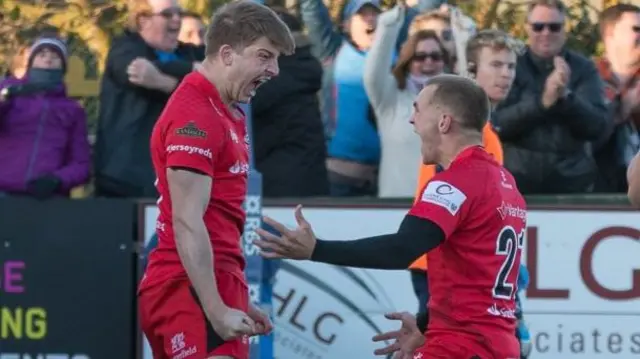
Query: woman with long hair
x=392, y=94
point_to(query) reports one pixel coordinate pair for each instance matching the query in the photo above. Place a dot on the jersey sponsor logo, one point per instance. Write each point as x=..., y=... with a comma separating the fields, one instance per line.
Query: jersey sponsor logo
x=444, y=195
x=186, y=353
x=505, y=181
x=179, y=348
x=191, y=130
x=501, y=312
x=177, y=342
x=190, y=150
x=508, y=210
x=239, y=168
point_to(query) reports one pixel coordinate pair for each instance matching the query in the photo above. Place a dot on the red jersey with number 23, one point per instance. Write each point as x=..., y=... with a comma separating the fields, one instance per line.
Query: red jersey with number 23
x=197, y=131
x=473, y=273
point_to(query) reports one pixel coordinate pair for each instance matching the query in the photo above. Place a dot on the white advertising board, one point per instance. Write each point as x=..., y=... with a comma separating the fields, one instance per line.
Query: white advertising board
x=583, y=301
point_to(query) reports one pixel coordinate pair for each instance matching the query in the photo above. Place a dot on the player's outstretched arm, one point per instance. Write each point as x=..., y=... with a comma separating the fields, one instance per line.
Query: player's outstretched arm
x=633, y=179
x=415, y=237
x=190, y=193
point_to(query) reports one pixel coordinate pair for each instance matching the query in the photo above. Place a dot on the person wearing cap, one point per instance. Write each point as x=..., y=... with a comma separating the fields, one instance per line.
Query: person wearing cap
x=143, y=67
x=353, y=143
x=44, y=148
x=287, y=128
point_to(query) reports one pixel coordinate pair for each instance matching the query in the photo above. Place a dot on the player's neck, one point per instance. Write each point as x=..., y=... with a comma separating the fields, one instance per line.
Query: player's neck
x=211, y=71
x=449, y=153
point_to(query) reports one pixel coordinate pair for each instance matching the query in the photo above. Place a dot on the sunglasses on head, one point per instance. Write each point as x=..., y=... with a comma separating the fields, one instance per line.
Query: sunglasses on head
x=170, y=12
x=434, y=56
x=552, y=26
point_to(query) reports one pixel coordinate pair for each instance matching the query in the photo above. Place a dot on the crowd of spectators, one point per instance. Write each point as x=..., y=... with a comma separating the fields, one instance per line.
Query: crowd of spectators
x=336, y=121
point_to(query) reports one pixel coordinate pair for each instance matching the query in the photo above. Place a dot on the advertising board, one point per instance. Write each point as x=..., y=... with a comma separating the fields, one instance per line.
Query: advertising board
x=66, y=283
x=583, y=301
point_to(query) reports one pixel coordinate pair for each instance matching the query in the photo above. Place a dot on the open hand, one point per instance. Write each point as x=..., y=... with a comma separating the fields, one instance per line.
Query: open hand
x=563, y=69
x=407, y=339
x=291, y=244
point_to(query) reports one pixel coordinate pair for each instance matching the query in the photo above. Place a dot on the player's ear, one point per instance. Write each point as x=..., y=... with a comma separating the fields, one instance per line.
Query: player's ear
x=226, y=54
x=444, y=124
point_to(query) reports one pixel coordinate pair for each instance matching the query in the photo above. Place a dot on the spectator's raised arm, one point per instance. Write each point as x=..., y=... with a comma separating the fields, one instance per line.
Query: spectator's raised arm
x=584, y=109
x=128, y=65
x=76, y=169
x=379, y=83
x=326, y=40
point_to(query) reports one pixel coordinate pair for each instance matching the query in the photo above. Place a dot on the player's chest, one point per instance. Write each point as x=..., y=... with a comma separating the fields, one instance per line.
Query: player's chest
x=233, y=159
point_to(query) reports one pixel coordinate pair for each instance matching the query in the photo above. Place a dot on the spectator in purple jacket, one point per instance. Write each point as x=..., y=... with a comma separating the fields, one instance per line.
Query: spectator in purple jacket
x=44, y=150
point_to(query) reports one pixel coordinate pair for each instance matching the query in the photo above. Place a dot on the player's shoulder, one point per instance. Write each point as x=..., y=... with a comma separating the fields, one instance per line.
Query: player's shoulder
x=467, y=178
x=188, y=98
x=188, y=106
x=445, y=193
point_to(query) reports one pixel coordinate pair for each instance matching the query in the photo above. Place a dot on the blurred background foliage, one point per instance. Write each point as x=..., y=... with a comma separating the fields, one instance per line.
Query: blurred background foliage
x=89, y=26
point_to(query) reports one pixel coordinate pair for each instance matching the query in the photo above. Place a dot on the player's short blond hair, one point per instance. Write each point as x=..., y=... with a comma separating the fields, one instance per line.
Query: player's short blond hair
x=420, y=21
x=491, y=38
x=241, y=23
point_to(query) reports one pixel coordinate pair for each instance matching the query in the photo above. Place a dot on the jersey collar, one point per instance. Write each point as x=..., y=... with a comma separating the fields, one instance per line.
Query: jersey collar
x=471, y=151
x=210, y=91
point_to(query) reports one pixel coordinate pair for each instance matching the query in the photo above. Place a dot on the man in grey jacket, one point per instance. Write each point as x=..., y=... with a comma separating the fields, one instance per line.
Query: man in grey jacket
x=555, y=108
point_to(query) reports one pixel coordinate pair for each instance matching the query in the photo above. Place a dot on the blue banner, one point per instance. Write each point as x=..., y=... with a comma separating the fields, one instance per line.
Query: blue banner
x=258, y=272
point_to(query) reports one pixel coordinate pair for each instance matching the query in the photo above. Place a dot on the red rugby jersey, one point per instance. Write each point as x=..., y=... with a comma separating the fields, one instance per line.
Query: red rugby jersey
x=197, y=131
x=473, y=274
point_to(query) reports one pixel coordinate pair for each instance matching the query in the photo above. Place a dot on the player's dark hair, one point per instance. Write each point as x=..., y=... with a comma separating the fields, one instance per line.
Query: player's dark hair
x=241, y=23
x=467, y=101
x=611, y=15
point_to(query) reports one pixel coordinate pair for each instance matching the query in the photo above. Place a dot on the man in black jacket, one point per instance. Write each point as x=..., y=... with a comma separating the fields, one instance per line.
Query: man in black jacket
x=555, y=108
x=289, y=143
x=143, y=67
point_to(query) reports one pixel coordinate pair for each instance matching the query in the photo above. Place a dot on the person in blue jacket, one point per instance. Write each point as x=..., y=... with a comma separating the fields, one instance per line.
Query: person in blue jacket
x=353, y=145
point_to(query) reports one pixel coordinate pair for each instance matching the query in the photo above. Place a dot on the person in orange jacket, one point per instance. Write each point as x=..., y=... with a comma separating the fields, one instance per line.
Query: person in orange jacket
x=491, y=57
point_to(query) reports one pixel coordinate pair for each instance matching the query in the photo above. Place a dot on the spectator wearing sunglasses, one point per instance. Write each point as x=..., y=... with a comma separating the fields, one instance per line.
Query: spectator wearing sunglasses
x=553, y=111
x=620, y=70
x=392, y=95
x=438, y=22
x=143, y=67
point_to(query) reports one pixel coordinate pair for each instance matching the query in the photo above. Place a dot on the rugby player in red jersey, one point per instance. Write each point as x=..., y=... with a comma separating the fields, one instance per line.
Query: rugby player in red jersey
x=470, y=218
x=193, y=298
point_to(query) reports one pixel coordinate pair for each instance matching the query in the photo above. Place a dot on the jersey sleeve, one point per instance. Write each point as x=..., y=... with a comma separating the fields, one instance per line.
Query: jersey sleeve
x=194, y=144
x=443, y=202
